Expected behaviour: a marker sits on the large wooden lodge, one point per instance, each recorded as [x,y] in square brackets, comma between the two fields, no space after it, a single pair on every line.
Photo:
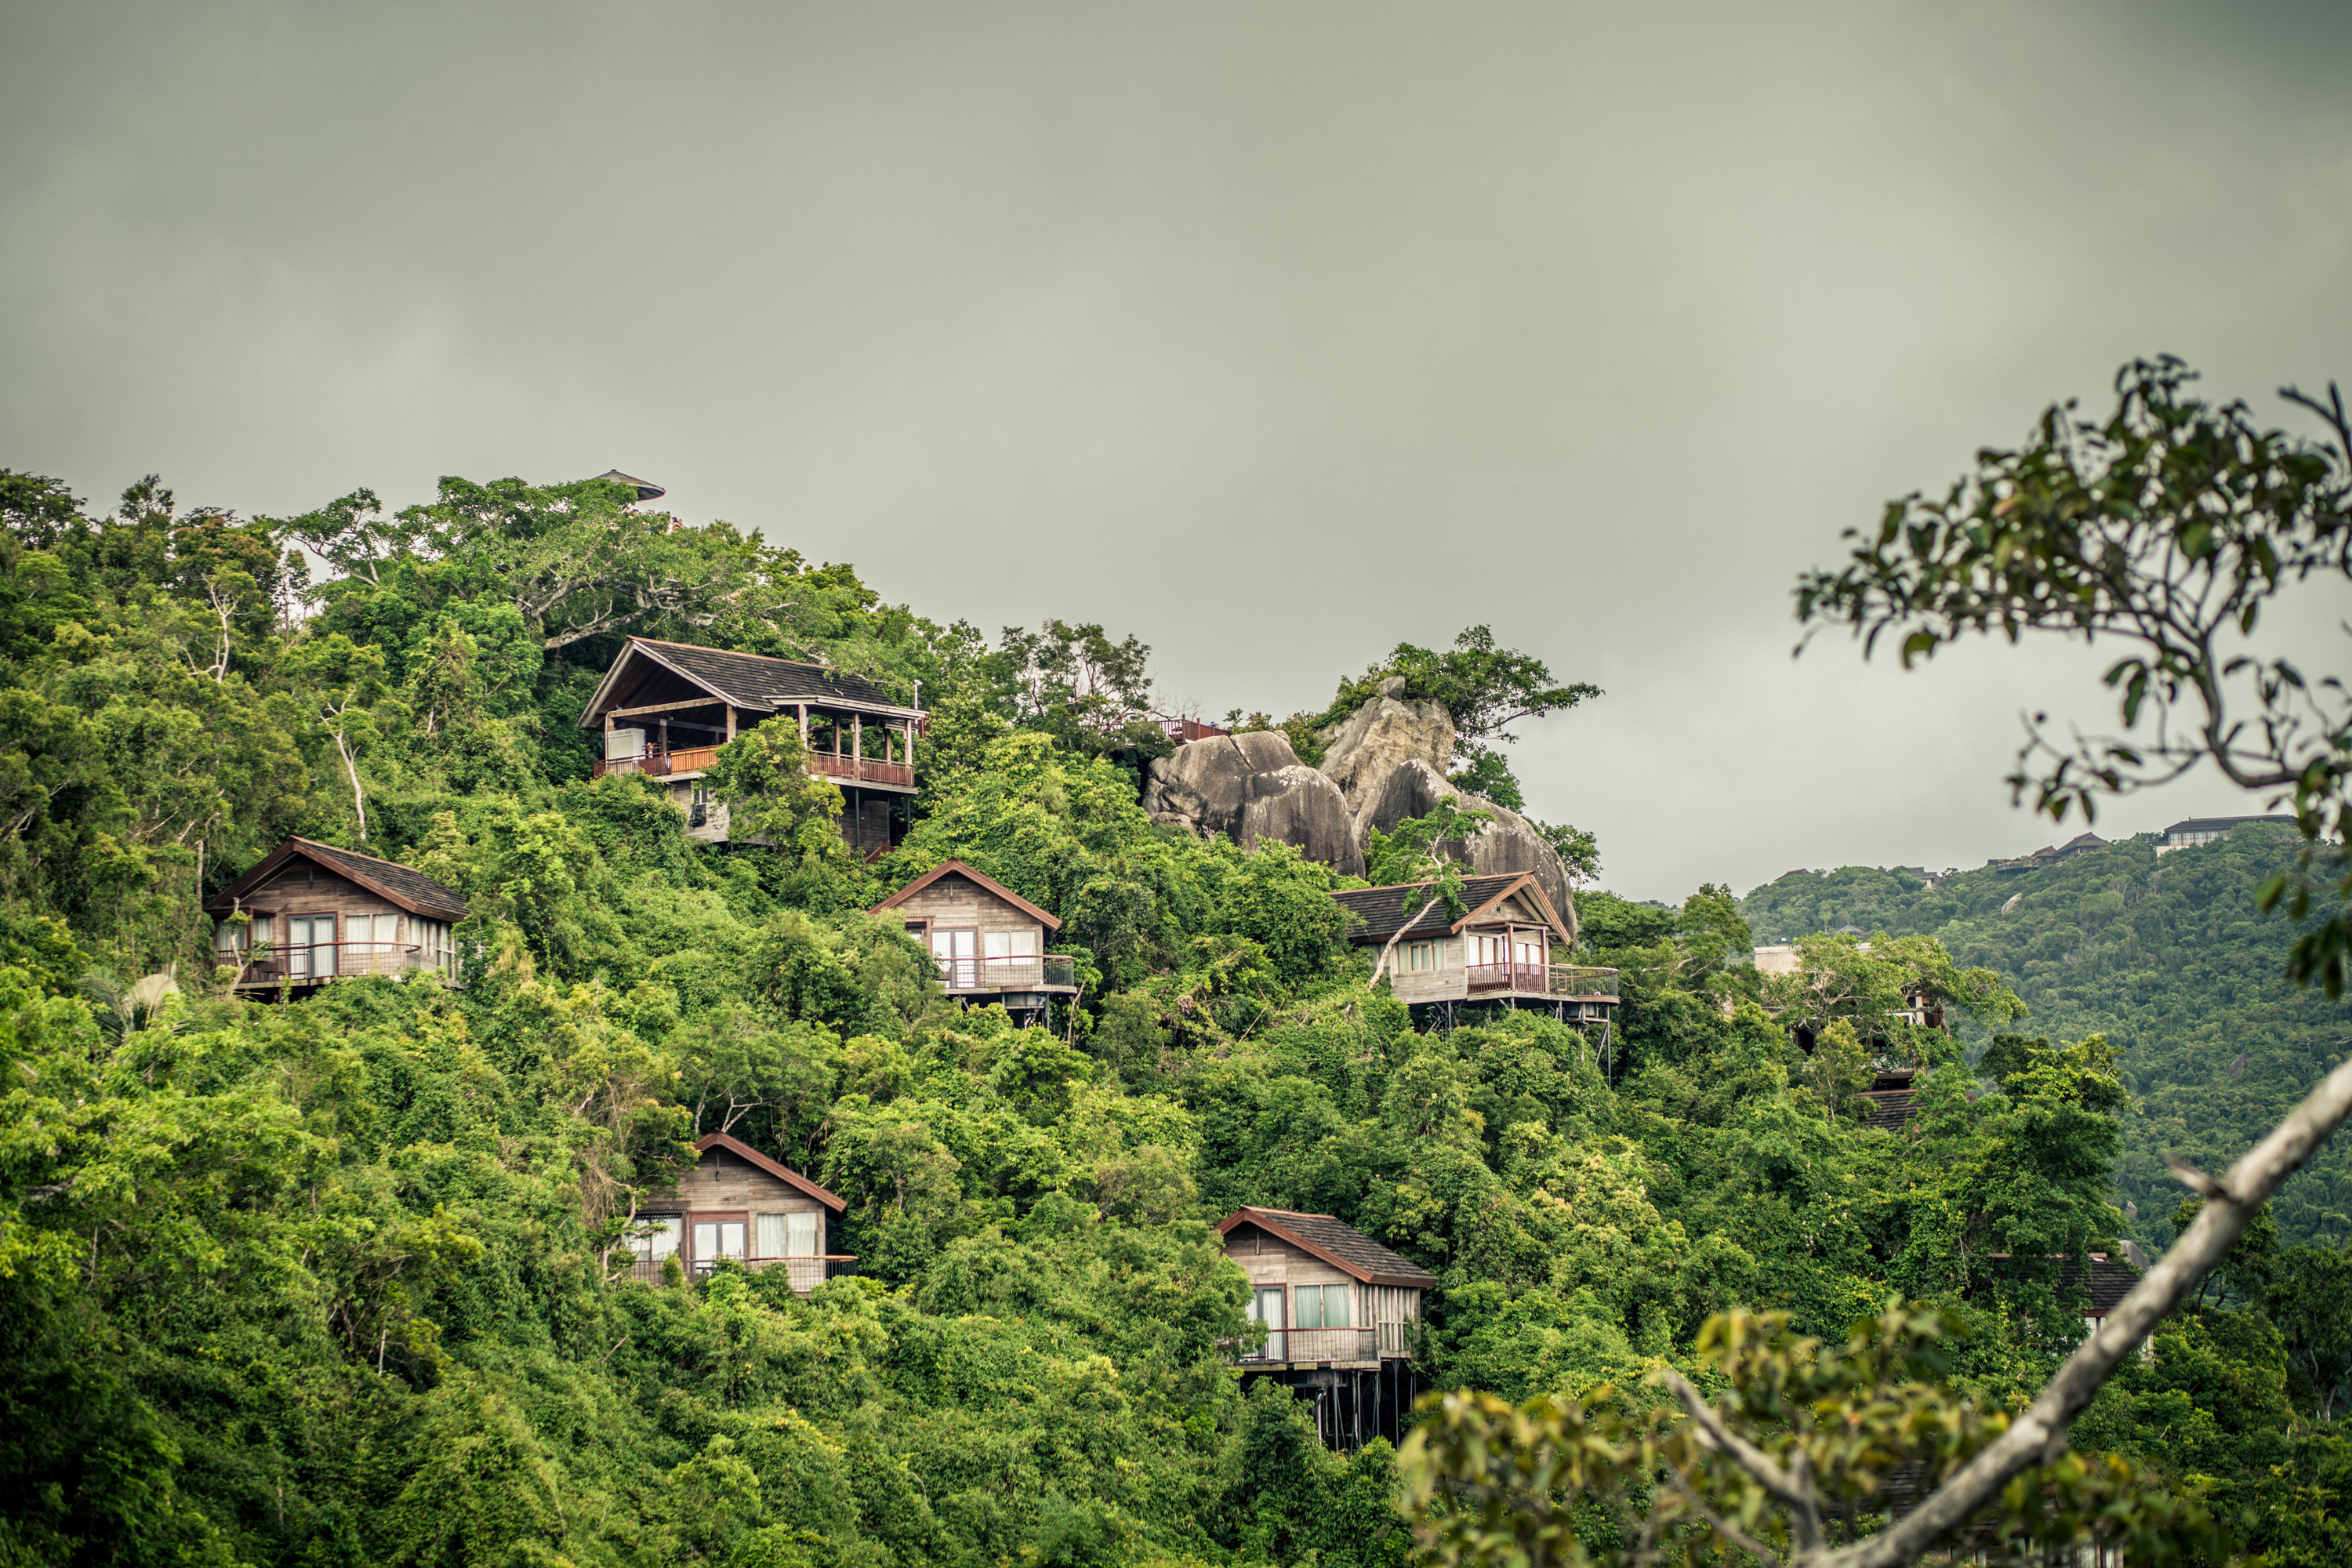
[666,707]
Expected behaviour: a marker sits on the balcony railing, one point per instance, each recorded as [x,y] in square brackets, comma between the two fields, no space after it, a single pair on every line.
[1295,1346]
[862,770]
[1541,980]
[660,764]
[312,962]
[805,1273]
[699,758]
[1028,973]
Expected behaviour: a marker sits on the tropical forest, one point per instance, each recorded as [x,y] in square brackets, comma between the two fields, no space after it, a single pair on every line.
[353,1274]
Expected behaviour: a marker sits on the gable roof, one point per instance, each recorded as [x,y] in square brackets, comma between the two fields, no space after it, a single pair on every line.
[2110,1280]
[405,886]
[748,680]
[1385,910]
[1337,1243]
[736,1146]
[957,868]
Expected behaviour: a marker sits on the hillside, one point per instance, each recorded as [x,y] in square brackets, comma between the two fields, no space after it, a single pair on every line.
[347,1277]
[2166,955]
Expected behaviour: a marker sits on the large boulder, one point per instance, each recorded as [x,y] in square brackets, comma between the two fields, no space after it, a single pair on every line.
[1253,786]
[1507,844]
[1389,730]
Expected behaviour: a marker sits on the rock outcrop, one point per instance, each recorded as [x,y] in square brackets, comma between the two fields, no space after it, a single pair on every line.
[1390,759]
[1253,786]
[1380,737]
[1508,843]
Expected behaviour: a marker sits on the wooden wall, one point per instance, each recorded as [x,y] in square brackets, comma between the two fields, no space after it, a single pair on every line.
[957,901]
[304,887]
[725,1181]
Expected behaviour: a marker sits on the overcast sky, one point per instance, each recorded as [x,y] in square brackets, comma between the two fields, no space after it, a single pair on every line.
[1270,332]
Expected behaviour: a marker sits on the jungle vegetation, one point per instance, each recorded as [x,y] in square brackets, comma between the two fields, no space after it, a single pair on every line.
[336,1281]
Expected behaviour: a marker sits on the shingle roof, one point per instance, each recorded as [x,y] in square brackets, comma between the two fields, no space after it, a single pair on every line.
[2111,1280]
[1334,1241]
[755,681]
[1890,1110]
[410,888]
[1385,909]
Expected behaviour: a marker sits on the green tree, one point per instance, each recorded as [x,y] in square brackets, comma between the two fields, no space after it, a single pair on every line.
[2172,527]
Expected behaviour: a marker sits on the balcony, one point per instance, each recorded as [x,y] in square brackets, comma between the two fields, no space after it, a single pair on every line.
[1548,979]
[863,770]
[1330,1347]
[804,1273]
[660,764]
[969,976]
[687,760]
[315,964]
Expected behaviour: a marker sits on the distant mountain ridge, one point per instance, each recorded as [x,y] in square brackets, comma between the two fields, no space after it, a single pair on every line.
[2168,956]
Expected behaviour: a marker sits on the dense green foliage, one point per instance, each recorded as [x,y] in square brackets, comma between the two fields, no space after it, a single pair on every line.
[2169,961]
[343,1279]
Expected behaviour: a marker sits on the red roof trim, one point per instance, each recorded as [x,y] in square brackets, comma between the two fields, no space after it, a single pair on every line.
[1269,1220]
[979,877]
[783,1172]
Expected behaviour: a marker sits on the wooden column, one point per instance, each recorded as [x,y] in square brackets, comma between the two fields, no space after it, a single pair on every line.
[730,720]
[910,745]
[804,726]
[857,742]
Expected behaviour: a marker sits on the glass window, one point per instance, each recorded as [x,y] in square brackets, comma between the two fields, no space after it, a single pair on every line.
[715,1239]
[1322,1306]
[802,1231]
[768,1235]
[660,1241]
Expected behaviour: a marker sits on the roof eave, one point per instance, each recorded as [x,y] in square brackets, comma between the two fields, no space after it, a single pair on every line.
[710,1141]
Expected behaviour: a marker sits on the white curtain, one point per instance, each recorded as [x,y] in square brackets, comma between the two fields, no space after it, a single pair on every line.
[772,1240]
[804,1232]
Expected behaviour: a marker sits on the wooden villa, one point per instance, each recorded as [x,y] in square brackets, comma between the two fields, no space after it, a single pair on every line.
[737,1204]
[1342,1316]
[666,707]
[1501,949]
[311,913]
[988,941]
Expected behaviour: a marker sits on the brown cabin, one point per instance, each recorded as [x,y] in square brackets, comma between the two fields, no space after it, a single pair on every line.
[1342,1316]
[736,1203]
[666,707]
[1500,948]
[988,941]
[311,913]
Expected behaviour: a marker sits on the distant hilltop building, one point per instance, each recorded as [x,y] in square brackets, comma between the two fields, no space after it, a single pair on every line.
[2049,855]
[2206,829]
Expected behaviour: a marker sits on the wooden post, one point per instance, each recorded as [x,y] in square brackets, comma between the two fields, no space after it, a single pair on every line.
[910,746]
[804,726]
[730,720]
[857,743]
[665,732]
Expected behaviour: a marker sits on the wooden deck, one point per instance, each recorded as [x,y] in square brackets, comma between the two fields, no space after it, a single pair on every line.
[1507,982]
[685,762]
[805,1273]
[315,964]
